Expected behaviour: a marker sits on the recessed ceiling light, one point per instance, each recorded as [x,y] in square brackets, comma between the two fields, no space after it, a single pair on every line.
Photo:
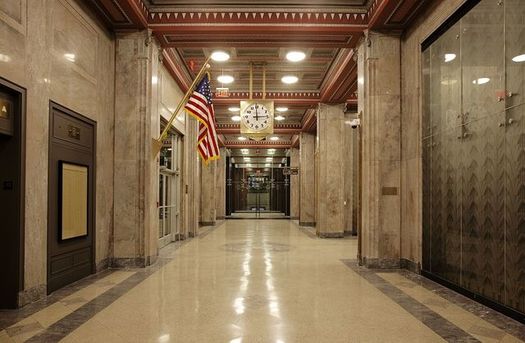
[220,56]
[70,57]
[244,151]
[269,159]
[225,79]
[274,138]
[481,81]
[247,158]
[242,138]
[267,164]
[280,118]
[449,82]
[281,109]
[519,58]
[450,57]
[234,109]
[4,58]
[295,56]
[289,79]
[236,118]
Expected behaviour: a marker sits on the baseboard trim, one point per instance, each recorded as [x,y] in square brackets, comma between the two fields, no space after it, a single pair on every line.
[31,295]
[312,224]
[331,234]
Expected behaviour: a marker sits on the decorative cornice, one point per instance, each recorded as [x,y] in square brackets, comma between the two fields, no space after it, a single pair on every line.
[253,16]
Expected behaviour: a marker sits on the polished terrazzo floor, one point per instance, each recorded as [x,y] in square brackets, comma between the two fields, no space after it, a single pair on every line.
[257,281]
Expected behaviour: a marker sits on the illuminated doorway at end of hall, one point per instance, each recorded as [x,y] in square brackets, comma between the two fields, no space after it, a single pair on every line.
[257,186]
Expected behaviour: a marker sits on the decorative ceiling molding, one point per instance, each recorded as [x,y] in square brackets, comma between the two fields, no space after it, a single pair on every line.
[251,17]
[341,79]
[176,68]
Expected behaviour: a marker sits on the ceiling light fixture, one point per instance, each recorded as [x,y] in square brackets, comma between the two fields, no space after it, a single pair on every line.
[450,57]
[519,58]
[280,118]
[281,109]
[70,57]
[225,79]
[289,79]
[244,151]
[242,138]
[274,138]
[236,118]
[4,58]
[295,56]
[234,109]
[481,81]
[220,56]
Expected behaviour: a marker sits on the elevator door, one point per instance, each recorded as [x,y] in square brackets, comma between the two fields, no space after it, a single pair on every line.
[71,197]
[11,192]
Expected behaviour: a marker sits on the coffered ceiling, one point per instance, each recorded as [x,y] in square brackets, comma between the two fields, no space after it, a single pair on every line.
[262,32]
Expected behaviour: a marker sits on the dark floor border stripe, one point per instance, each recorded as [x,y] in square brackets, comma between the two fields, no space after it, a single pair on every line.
[499,320]
[441,326]
[72,321]
[11,317]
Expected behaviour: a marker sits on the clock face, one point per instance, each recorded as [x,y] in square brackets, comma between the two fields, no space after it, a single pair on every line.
[256,117]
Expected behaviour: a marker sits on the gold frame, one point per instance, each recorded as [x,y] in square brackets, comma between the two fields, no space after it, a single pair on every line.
[255,134]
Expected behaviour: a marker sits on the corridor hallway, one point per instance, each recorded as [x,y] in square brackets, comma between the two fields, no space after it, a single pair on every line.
[257,281]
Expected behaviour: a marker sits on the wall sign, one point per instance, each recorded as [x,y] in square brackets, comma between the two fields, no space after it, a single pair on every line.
[6,115]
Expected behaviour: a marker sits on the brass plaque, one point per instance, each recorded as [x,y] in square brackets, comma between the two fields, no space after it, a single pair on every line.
[389,191]
[74,200]
[73,132]
[5,109]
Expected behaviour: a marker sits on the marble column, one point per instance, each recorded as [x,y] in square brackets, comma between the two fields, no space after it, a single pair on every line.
[307,180]
[136,171]
[208,193]
[379,87]
[294,184]
[220,184]
[330,177]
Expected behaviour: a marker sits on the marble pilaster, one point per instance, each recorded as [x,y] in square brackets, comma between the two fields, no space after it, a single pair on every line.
[330,177]
[307,179]
[294,184]
[351,170]
[136,174]
[379,75]
[220,186]
[208,193]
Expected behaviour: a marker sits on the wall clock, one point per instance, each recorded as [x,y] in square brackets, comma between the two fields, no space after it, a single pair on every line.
[257,118]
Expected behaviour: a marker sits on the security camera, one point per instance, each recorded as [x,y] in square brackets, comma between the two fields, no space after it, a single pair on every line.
[355,123]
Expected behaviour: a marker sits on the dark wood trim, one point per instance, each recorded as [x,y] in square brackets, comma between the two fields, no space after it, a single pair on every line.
[449,22]
[91,217]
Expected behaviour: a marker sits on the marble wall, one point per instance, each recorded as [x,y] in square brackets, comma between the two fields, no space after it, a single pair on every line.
[307,179]
[330,178]
[294,184]
[411,153]
[58,51]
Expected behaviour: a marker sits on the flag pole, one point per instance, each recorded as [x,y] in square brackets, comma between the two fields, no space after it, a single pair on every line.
[157,143]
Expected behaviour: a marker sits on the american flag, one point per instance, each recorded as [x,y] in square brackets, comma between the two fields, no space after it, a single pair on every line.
[200,105]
